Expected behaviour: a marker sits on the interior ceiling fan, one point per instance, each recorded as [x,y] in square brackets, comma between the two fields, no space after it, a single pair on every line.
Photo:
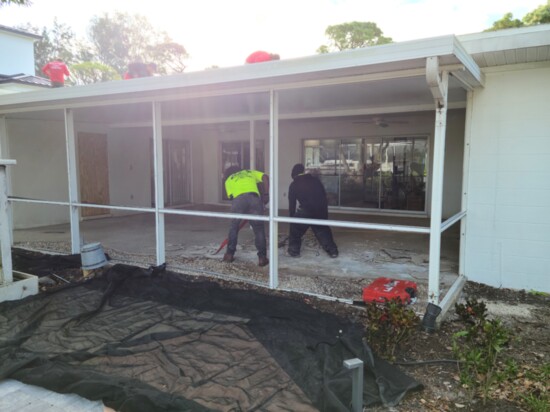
[381,121]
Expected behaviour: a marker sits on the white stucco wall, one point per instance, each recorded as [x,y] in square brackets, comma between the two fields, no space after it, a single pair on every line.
[508,224]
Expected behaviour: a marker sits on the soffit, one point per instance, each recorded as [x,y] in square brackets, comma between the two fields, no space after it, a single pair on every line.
[510,46]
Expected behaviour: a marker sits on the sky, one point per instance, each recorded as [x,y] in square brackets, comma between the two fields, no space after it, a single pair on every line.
[224,32]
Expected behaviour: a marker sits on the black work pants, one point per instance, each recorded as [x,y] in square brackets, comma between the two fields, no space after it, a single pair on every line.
[321,232]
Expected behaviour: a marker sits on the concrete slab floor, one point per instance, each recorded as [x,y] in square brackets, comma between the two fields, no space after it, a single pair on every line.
[364,254]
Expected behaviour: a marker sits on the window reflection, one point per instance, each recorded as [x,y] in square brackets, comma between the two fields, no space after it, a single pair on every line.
[384,173]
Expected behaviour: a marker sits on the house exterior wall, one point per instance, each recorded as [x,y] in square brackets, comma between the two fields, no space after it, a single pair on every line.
[507,240]
[40,172]
[20,50]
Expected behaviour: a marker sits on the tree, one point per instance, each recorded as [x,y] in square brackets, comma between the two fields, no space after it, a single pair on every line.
[122,38]
[58,42]
[92,72]
[540,15]
[507,22]
[352,36]
[169,57]
[17,2]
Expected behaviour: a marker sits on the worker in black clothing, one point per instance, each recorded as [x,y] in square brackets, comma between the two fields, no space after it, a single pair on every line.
[312,198]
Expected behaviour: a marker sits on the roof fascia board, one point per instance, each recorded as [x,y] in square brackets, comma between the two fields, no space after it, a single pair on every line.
[476,78]
[19,33]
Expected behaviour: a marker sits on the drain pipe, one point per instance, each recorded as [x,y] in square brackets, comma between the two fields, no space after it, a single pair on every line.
[356,366]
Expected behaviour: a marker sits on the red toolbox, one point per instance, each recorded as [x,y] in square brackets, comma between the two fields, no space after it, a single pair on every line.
[382,289]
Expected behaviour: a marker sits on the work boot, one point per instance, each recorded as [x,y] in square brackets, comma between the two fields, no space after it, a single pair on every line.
[228,257]
[263,261]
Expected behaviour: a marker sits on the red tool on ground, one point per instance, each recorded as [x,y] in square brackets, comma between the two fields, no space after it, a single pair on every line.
[241,225]
[382,289]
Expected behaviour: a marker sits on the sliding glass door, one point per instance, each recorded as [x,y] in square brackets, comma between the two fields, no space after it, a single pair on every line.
[372,173]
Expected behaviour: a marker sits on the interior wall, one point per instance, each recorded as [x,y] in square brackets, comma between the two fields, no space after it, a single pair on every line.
[38,146]
[508,224]
[129,152]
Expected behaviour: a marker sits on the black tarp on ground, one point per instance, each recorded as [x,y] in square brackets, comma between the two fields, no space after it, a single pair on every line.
[166,342]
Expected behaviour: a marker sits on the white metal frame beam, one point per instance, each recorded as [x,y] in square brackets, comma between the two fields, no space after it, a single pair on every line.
[158,166]
[438,84]
[6,268]
[72,174]
[273,188]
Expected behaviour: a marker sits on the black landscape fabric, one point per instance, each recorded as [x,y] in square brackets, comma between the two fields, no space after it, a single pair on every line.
[152,340]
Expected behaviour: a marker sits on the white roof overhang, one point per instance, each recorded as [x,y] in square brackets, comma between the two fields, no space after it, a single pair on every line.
[512,46]
[381,79]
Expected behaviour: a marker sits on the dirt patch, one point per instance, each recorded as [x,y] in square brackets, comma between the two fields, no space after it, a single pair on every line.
[525,315]
[428,357]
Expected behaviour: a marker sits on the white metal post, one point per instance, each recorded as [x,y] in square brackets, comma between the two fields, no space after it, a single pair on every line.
[356,367]
[159,183]
[252,146]
[439,87]
[273,188]
[4,154]
[465,182]
[6,269]
[72,176]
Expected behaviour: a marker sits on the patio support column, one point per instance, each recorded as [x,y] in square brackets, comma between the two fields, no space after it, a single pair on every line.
[252,146]
[438,86]
[3,138]
[158,167]
[6,272]
[273,189]
[4,154]
[72,175]
[465,182]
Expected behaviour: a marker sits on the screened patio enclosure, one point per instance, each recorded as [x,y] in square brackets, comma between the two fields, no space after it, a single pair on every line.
[159,146]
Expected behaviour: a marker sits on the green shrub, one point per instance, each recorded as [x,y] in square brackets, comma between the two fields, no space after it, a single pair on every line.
[389,324]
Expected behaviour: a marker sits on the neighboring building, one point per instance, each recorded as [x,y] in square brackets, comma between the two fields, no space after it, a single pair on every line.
[451,128]
[17,63]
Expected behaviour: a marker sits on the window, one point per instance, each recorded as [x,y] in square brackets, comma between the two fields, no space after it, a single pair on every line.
[379,173]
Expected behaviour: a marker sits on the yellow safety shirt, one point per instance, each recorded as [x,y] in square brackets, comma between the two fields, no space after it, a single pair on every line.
[245,181]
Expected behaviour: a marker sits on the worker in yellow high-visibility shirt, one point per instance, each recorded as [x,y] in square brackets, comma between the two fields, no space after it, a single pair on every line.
[241,187]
